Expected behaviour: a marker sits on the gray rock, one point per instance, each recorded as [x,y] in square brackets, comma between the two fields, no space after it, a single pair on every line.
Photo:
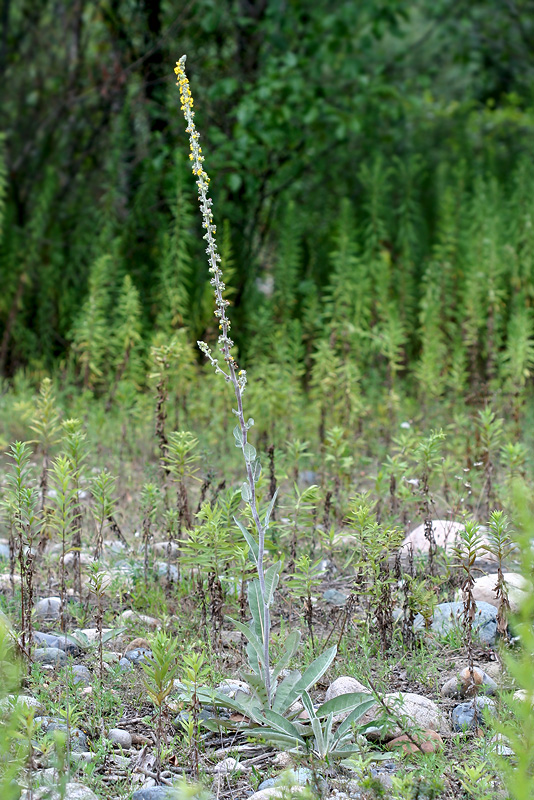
[300,776]
[447,616]
[73,791]
[48,608]
[23,702]
[125,665]
[4,551]
[50,655]
[126,568]
[55,640]
[161,571]
[154,793]
[463,716]
[139,656]
[78,739]
[121,738]
[81,675]
[335,598]
[232,687]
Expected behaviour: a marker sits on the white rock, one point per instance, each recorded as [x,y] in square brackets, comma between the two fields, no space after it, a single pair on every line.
[22,702]
[283,760]
[344,685]
[90,633]
[517,585]
[5,582]
[228,765]
[85,559]
[161,549]
[409,708]
[120,737]
[231,687]
[73,791]
[522,696]
[445,534]
[48,608]
[278,792]
[144,620]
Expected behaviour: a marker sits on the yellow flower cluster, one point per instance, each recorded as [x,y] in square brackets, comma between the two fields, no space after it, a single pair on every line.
[187,107]
[197,159]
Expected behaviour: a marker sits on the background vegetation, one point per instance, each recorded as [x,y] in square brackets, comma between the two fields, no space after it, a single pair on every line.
[372,161]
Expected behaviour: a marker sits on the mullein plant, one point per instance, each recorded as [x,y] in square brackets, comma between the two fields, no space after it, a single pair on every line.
[237,377]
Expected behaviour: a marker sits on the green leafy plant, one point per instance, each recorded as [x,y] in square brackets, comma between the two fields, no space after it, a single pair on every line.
[159,673]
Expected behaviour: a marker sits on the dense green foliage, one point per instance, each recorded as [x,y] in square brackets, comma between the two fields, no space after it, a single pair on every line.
[371,160]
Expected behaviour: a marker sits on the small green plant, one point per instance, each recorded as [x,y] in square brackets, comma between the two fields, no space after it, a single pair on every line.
[160,671]
[62,511]
[301,584]
[75,448]
[98,583]
[103,508]
[20,505]
[182,464]
[501,547]
[45,423]
[467,551]
[194,674]
[150,504]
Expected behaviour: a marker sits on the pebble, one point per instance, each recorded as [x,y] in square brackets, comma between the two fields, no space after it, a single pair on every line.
[49,655]
[335,597]
[463,716]
[48,608]
[4,551]
[139,656]
[462,685]
[448,616]
[121,738]
[125,665]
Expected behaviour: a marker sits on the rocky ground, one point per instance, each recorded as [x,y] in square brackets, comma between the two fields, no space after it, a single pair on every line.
[438,707]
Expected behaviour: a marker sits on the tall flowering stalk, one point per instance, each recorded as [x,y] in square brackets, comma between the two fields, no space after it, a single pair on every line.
[231,374]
